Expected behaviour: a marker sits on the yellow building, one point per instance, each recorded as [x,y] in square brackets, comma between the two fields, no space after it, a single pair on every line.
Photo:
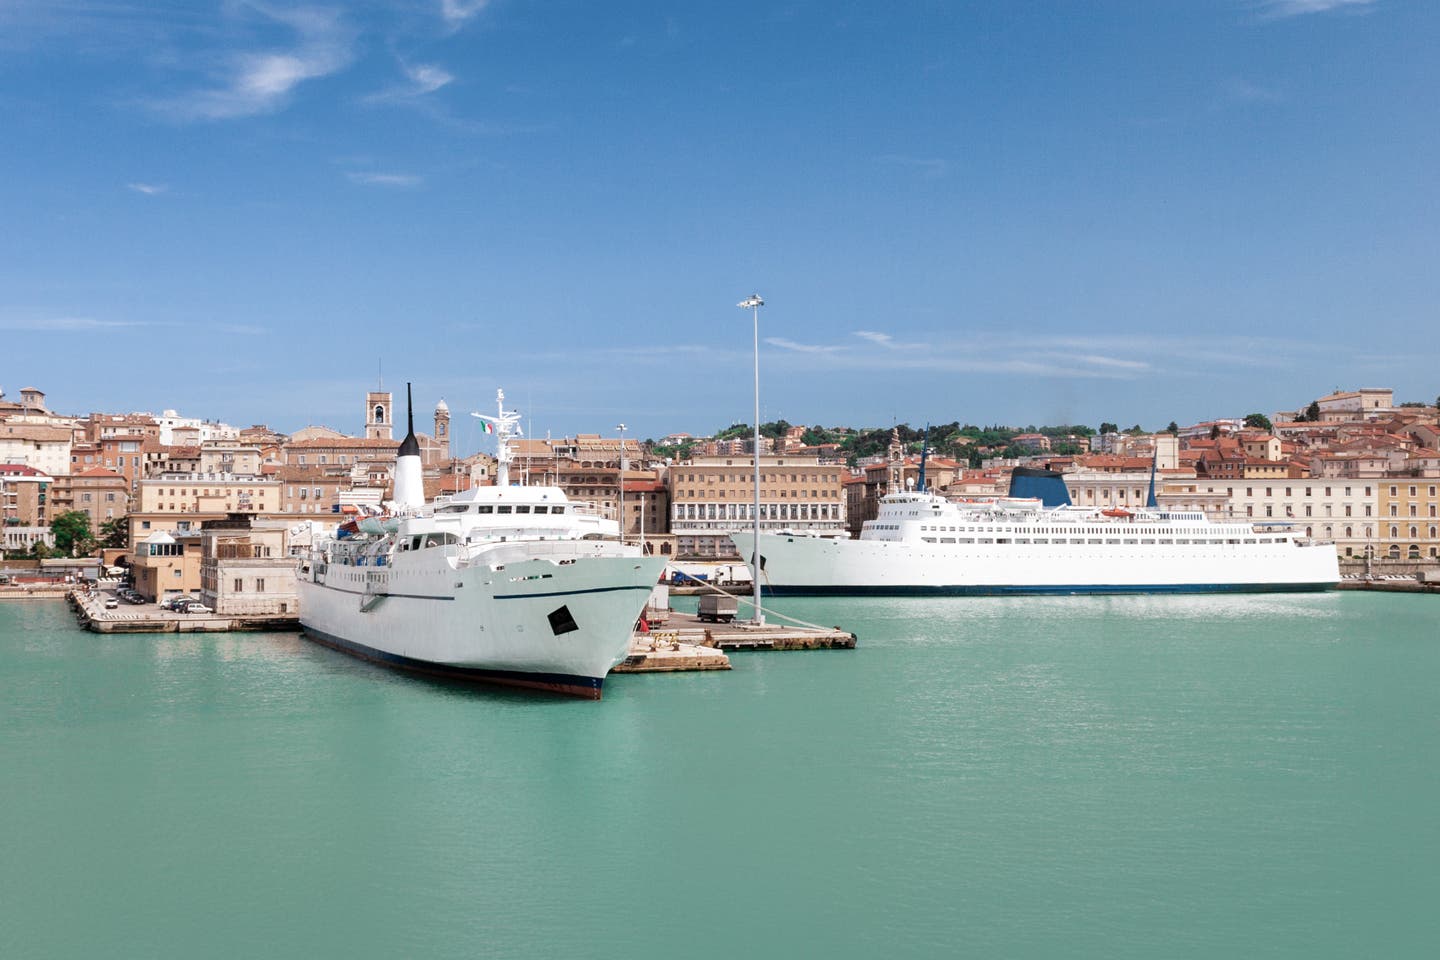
[1409,518]
[164,565]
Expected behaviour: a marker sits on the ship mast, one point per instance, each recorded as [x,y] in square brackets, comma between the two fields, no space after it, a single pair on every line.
[504,424]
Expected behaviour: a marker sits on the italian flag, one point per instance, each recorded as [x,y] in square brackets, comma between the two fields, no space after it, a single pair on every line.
[489,427]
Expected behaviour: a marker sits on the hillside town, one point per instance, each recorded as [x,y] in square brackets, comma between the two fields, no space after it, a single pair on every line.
[189,506]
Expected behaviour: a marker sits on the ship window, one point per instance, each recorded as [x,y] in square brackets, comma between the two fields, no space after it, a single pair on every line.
[415,543]
[484,508]
[503,508]
[542,509]
[557,509]
[522,508]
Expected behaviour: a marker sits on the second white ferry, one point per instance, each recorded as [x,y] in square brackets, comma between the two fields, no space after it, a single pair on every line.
[921,543]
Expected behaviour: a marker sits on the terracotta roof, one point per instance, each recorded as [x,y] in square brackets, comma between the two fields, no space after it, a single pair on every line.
[35,432]
[20,470]
[97,473]
[344,443]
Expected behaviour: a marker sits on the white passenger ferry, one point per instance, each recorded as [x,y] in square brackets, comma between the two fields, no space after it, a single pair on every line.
[922,543]
[507,584]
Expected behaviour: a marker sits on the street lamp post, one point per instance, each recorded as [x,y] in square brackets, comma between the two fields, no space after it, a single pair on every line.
[754,303]
[621,428]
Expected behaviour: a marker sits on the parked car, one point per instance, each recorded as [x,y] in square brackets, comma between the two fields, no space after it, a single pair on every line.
[111,603]
[196,608]
[177,604]
[134,598]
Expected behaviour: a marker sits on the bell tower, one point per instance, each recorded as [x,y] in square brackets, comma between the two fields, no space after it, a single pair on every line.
[442,430]
[378,415]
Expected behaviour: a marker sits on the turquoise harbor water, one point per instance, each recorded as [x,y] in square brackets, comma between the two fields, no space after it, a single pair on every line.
[1091,777]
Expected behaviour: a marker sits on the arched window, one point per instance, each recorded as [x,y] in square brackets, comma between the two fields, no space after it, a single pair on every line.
[1394,551]
[379,413]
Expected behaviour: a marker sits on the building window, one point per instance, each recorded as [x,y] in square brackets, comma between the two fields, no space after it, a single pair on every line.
[239,585]
[260,586]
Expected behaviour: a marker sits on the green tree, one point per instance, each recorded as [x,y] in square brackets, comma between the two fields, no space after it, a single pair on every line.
[1258,421]
[72,533]
[1173,429]
[115,533]
[39,551]
[1108,427]
[1312,412]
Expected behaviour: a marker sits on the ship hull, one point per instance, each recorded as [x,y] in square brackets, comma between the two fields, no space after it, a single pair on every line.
[535,623]
[806,566]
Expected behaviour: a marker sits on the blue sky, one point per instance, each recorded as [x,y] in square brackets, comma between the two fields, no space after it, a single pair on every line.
[998,212]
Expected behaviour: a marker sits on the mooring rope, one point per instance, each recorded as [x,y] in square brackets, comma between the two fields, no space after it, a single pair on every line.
[750,600]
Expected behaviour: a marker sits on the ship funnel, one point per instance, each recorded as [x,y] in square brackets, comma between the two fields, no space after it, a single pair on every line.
[409,480]
[1045,484]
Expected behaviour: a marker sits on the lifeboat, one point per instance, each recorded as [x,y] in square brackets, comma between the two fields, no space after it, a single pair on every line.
[1117,512]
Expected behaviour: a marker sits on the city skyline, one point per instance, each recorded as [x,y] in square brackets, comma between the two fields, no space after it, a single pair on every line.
[1039,215]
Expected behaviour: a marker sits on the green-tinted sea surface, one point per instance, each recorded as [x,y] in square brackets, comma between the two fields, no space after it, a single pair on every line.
[1138,777]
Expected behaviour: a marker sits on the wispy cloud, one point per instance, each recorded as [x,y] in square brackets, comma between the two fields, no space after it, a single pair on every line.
[457,12]
[149,189]
[784,344]
[420,79]
[1297,8]
[1239,90]
[261,81]
[930,167]
[68,324]
[402,180]
[883,339]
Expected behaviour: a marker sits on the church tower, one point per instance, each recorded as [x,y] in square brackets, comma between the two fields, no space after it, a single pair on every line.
[378,417]
[442,431]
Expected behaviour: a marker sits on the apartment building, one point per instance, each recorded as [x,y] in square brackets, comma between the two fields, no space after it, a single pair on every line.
[1409,526]
[209,493]
[710,497]
[100,493]
[245,567]
[44,447]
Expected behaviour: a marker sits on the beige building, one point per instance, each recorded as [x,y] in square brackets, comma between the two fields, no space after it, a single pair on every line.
[165,565]
[712,496]
[102,494]
[245,569]
[208,493]
[46,448]
[1367,403]
[1345,511]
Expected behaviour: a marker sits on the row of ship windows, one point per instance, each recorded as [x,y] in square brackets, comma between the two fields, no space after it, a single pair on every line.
[745,511]
[1163,541]
[502,508]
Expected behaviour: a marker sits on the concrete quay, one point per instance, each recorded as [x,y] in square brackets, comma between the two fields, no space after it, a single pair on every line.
[743,635]
[663,651]
[150,618]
